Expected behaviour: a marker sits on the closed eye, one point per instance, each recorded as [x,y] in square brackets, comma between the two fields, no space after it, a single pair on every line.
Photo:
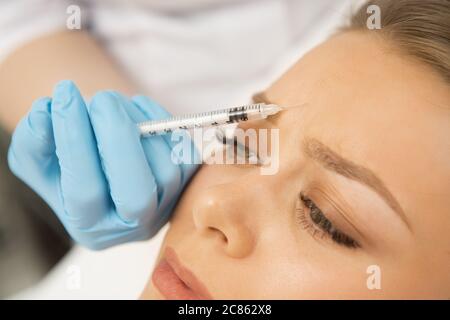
[314,220]
[236,148]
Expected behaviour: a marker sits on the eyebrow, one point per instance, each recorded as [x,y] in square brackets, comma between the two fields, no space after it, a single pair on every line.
[329,159]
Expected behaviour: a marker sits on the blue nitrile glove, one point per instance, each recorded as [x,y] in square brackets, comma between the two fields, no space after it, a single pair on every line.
[105,183]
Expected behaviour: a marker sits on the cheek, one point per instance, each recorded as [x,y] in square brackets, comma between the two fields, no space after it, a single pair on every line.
[288,272]
[293,274]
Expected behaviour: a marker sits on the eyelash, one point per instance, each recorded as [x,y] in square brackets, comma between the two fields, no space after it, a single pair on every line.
[232,142]
[318,224]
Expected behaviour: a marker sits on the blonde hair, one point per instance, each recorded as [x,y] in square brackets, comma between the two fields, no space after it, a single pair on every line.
[419,28]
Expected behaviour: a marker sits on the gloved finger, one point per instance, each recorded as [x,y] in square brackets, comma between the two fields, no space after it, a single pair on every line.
[83,185]
[167,174]
[191,157]
[31,154]
[133,186]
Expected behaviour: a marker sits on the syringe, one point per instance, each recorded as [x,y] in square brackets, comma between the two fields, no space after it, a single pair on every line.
[208,119]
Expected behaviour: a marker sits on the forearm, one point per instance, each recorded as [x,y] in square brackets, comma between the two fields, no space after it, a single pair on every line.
[32,71]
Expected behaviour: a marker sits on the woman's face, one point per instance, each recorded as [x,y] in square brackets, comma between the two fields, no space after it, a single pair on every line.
[359,207]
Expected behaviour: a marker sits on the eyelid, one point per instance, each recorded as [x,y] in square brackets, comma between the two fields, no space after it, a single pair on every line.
[246,150]
[232,141]
[306,221]
[336,208]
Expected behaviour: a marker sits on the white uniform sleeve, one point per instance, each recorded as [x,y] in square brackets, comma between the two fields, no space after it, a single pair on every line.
[24,20]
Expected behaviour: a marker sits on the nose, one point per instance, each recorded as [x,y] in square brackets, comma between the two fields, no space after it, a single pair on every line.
[222,213]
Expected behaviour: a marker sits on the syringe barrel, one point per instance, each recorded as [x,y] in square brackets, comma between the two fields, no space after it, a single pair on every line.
[204,119]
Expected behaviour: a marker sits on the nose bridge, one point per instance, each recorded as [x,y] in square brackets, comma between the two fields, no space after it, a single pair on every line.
[228,210]
[232,200]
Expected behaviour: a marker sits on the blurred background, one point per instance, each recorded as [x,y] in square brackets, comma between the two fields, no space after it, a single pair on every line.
[190,56]
[31,238]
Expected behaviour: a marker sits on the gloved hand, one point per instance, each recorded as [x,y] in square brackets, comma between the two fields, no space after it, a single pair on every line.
[105,183]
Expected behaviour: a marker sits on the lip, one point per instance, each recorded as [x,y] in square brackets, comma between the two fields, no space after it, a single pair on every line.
[176,282]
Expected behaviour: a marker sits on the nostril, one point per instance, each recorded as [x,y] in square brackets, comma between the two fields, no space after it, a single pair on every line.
[219,233]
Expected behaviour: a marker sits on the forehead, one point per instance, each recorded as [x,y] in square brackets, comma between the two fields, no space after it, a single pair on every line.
[374,107]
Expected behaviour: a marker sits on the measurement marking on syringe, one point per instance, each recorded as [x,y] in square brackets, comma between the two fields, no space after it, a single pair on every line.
[205,119]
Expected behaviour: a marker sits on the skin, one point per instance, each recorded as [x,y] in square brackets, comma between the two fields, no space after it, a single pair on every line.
[378,109]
